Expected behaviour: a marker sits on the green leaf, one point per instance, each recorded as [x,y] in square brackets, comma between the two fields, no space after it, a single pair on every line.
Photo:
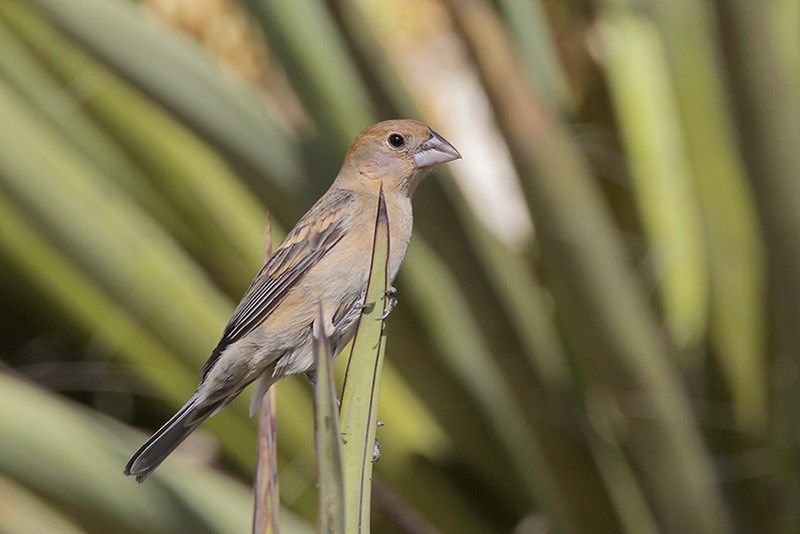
[619,336]
[70,295]
[735,249]
[328,440]
[129,253]
[527,20]
[23,511]
[22,69]
[224,216]
[74,458]
[443,308]
[181,75]
[640,84]
[359,412]
[320,67]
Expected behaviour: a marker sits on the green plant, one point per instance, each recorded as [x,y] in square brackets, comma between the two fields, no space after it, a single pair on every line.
[632,366]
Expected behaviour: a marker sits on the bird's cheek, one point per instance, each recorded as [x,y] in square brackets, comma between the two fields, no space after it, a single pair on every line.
[386,168]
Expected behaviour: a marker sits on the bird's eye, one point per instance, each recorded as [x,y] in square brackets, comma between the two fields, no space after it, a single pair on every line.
[396,140]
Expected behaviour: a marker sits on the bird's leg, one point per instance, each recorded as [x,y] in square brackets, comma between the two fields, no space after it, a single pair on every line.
[391,302]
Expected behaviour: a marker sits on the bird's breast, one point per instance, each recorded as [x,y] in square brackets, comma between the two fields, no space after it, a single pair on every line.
[340,278]
[401,218]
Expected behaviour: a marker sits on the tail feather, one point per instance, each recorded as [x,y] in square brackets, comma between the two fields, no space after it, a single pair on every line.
[156,449]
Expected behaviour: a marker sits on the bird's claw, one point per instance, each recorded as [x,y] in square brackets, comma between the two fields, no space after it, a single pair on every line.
[391,302]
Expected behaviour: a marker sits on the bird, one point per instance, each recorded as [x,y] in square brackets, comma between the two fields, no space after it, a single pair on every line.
[316,281]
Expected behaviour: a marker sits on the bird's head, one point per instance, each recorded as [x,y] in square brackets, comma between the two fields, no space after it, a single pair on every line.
[396,153]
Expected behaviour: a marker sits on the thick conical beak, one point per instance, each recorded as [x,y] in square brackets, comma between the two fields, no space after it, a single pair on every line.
[433,151]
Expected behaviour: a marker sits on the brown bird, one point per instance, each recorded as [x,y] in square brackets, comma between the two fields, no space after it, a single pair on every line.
[323,264]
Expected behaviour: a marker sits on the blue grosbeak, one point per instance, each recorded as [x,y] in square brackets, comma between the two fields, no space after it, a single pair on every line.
[323,264]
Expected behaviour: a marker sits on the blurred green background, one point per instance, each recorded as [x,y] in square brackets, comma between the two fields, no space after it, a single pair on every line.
[599,320]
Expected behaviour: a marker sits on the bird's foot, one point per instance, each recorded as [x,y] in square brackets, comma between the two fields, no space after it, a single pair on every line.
[391,302]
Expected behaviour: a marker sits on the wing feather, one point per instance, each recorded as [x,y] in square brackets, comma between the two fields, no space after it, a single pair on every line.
[314,236]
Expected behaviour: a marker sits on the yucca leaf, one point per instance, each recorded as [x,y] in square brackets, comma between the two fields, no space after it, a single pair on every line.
[527,20]
[321,70]
[23,511]
[471,362]
[605,302]
[20,67]
[70,294]
[361,389]
[265,486]
[74,458]
[224,216]
[769,132]
[529,309]
[181,75]
[328,440]
[734,246]
[670,209]
[627,495]
[137,257]
[382,82]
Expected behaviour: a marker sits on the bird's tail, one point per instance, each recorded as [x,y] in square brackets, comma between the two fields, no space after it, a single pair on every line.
[156,449]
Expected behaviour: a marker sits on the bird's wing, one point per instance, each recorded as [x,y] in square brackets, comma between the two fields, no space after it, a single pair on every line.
[313,237]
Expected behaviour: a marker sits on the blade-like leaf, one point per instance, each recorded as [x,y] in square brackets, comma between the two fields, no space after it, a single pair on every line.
[760,43]
[224,216]
[74,458]
[640,87]
[181,75]
[322,71]
[266,492]
[528,22]
[20,67]
[328,440]
[71,295]
[459,343]
[621,342]
[137,260]
[735,249]
[24,512]
[359,412]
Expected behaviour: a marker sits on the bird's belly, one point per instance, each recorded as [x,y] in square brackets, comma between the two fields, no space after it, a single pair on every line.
[339,278]
[335,286]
